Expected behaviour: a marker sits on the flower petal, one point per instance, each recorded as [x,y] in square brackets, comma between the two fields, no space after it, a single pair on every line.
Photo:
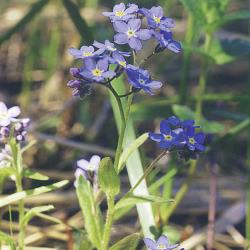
[120,26]
[164,127]
[121,38]
[3,108]
[163,240]
[82,164]
[150,244]
[156,137]
[135,43]
[119,7]
[134,24]
[157,11]
[14,111]
[90,63]
[144,34]
[154,85]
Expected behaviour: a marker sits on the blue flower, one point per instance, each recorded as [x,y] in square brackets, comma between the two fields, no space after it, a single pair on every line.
[96,70]
[131,33]
[156,19]
[194,140]
[140,79]
[83,52]
[120,13]
[88,169]
[161,244]
[165,41]
[180,136]
[167,138]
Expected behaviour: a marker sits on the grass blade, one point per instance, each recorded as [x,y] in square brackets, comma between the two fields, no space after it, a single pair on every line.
[80,24]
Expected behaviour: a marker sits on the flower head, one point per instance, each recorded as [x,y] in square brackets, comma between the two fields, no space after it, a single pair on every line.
[161,244]
[140,79]
[121,13]
[8,115]
[88,169]
[181,136]
[83,52]
[165,41]
[156,19]
[131,33]
[96,70]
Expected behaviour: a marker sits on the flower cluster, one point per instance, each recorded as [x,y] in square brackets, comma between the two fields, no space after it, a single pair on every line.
[161,244]
[99,58]
[5,157]
[181,136]
[88,169]
[10,125]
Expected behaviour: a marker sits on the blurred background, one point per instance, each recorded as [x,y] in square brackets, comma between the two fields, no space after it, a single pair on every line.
[34,70]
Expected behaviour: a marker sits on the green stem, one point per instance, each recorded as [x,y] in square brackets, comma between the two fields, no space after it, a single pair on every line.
[146,173]
[123,129]
[17,164]
[186,60]
[108,225]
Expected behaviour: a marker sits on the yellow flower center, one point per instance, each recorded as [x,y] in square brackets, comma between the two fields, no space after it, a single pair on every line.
[130,33]
[97,72]
[161,247]
[122,63]
[157,19]
[86,54]
[111,48]
[168,137]
[119,13]
[191,140]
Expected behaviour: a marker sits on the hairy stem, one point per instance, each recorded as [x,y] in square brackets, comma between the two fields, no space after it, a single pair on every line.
[108,225]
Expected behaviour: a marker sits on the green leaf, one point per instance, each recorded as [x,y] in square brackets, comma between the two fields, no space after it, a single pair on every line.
[128,243]
[183,112]
[34,175]
[108,178]
[135,199]
[91,211]
[28,146]
[34,10]
[130,149]
[8,239]
[35,211]
[134,164]
[36,191]
[212,127]
[80,24]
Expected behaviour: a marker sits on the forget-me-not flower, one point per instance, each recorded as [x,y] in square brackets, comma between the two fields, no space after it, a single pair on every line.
[141,79]
[121,13]
[161,244]
[83,52]
[131,33]
[8,115]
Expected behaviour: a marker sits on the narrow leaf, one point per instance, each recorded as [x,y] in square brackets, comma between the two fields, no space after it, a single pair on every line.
[80,24]
[34,211]
[36,191]
[135,199]
[130,149]
[128,243]
[34,175]
[8,239]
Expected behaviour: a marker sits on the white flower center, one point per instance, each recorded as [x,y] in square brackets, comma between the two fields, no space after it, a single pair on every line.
[130,33]
[161,247]
[157,19]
